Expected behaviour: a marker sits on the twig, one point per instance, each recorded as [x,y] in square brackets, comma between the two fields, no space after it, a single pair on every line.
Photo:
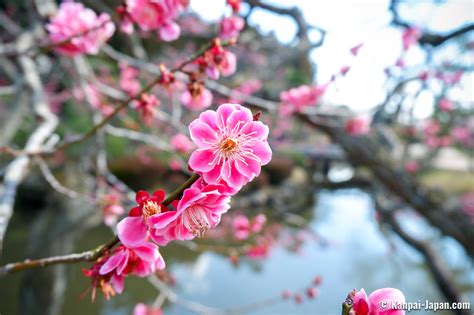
[56,185]
[79,139]
[90,255]
[174,298]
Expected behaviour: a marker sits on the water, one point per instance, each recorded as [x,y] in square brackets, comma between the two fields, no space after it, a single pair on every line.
[360,255]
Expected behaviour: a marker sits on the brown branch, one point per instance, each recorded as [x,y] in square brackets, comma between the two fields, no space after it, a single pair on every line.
[301,23]
[434,40]
[435,263]
[427,38]
[90,255]
[18,168]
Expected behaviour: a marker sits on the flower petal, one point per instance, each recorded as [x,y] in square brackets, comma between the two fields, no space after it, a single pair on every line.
[117,283]
[161,220]
[239,119]
[202,134]
[201,160]
[263,151]
[112,263]
[250,169]
[147,252]
[132,231]
[141,196]
[387,295]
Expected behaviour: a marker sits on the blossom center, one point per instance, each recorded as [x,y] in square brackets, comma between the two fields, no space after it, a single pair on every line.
[228,145]
[196,221]
[150,208]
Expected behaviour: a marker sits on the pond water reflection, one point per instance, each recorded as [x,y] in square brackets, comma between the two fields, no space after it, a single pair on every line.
[359,254]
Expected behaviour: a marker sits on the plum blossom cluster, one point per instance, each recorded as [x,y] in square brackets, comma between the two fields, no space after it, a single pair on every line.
[216,61]
[152,15]
[231,149]
[76,30]
[299,98]
[232,26]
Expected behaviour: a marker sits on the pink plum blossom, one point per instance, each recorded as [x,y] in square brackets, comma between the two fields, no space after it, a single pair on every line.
[424,75]
[134,229]
[232,147]
[223,63]
[146,105]
[110,284]
[258,222]
[259,251]
[154,15]
[181,143]
[143,309]
[139,261]
[357,126]
[241,227]
[199,210]
[78,30]
[355,50]
[400,63]
[462,135]
[299,98]
[411,167]
[410,37]
[374,304]
[344,69]
[432,127]
[234,4]
[128,80]
[198,100]
[231,27]
[175,164]
[112,208]
[445,105]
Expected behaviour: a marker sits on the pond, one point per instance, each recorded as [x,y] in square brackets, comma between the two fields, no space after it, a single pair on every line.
[356,253]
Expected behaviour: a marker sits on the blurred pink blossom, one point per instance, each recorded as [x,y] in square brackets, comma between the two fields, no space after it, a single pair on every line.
[231,27]
[445,105]
[112,208]
[78,30]
[197,101]
[299,98]
[146,105]
[411,166]
[410,37]
[357,126]
[355,50]
[181,143]
[129,82]
[152,15]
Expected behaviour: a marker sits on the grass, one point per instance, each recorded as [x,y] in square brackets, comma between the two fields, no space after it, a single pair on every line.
[453,182]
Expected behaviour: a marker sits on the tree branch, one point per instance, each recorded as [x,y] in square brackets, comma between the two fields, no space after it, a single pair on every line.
[17,169]
[90,255]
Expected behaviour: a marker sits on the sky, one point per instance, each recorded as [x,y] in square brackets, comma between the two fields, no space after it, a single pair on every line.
[349,23]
